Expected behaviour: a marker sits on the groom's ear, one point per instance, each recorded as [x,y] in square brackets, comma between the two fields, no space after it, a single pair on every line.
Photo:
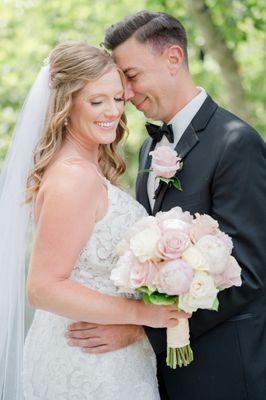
[174,56]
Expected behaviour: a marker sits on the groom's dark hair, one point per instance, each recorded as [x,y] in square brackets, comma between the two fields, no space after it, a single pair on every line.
[156,28]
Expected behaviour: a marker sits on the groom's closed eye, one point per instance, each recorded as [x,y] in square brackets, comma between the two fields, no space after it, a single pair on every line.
[131,77]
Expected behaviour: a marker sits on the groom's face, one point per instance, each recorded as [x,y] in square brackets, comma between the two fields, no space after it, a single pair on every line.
[149,80]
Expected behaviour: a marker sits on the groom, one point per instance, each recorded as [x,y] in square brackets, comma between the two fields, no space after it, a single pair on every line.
[223,175]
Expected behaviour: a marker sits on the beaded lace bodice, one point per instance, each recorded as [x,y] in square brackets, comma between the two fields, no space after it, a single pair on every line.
[98,256]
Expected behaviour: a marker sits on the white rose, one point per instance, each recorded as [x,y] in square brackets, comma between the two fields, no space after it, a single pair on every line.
[215,251]
[195,259]
[143,223]
[120,275]
[202,293]
[122,247]
[144,244]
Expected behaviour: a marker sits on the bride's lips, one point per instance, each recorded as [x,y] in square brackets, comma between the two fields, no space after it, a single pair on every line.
[107,125]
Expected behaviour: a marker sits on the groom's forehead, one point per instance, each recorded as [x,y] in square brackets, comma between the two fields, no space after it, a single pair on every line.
[132,55]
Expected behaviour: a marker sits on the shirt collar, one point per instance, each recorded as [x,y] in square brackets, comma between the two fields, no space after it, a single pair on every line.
[183,117]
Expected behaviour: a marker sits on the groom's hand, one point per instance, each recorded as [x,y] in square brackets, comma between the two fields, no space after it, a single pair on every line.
[95,339]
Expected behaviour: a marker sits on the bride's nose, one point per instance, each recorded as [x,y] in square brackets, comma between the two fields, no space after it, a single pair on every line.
[113,109]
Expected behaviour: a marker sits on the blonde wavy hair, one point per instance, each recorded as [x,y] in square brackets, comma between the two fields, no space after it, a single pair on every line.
[72,65]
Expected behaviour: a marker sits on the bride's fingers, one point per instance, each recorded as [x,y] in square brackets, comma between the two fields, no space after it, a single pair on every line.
[180,314]
[183,314]
[172,322]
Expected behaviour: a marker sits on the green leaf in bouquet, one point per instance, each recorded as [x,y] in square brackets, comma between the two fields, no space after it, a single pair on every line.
[162,299]
[177,302]
[144,289]
[146,299]
[215,305]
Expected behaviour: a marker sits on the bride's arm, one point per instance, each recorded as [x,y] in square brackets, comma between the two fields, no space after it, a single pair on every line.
[68,213]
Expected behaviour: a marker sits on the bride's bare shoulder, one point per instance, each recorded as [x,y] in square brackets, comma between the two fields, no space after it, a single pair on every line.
[73,185]
[72,174]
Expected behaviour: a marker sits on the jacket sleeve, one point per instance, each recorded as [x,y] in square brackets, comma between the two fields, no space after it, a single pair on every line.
[157,338]
[238,203]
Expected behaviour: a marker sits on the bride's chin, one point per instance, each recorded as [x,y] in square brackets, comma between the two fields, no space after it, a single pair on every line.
[108,139]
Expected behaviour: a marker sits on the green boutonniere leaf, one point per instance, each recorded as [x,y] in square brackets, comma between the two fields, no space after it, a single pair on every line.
[215,305]
[177,184]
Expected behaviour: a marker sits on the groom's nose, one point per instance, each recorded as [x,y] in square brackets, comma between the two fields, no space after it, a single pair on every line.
[129,92]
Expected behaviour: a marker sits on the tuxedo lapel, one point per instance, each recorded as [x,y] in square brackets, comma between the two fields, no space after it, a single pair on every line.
[142,189]
[188,140]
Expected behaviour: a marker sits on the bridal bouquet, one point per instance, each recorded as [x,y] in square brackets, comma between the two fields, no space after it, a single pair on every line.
[173,258]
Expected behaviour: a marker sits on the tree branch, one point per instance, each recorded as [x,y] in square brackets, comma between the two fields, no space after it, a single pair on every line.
[223,55]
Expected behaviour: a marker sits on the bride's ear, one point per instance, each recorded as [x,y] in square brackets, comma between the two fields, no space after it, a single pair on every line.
[174,56]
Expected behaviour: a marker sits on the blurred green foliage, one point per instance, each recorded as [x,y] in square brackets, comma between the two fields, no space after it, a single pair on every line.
[29,29]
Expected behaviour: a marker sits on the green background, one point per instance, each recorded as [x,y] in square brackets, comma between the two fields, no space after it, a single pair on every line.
[29,29]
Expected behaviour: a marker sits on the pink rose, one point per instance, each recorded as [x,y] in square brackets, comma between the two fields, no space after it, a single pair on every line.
[203,225]
[175,277]
[174,213]
[174,239]
[230,277]
[143,274]
[165,162]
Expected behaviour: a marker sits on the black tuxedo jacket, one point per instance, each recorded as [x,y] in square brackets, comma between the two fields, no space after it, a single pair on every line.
[223,175]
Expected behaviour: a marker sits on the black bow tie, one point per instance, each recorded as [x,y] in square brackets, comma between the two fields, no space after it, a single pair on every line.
[157,132]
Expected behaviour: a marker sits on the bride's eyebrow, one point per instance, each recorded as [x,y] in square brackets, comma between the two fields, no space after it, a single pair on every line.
[103,94]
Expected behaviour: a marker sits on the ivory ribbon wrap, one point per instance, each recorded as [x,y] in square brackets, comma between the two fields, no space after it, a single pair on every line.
[178,336]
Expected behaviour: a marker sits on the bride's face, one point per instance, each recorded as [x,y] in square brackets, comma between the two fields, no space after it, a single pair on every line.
[97,109]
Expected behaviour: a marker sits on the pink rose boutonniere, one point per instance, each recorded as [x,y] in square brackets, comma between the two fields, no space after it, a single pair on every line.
[165,164]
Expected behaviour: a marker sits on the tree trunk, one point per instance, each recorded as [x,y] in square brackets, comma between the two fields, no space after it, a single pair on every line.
[223,55]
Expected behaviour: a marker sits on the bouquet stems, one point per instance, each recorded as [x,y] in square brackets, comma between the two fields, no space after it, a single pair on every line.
[179,352]
[180,357]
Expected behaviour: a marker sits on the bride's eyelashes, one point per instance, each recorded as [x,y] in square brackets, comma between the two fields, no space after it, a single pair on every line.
[117,99]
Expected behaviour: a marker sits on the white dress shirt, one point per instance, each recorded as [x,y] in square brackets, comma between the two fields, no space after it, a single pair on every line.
[179,124]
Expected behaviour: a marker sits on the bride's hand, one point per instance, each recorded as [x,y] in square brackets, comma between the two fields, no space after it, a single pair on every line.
[161,316]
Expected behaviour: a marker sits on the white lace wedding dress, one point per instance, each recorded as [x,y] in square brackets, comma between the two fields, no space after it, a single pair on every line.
[55,371]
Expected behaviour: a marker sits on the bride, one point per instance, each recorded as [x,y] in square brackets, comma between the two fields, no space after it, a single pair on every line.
[80,215]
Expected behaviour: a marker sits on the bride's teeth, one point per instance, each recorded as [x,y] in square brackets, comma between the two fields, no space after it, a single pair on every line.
[105,124]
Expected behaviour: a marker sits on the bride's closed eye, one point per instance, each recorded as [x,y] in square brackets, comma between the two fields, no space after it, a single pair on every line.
[117,99]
